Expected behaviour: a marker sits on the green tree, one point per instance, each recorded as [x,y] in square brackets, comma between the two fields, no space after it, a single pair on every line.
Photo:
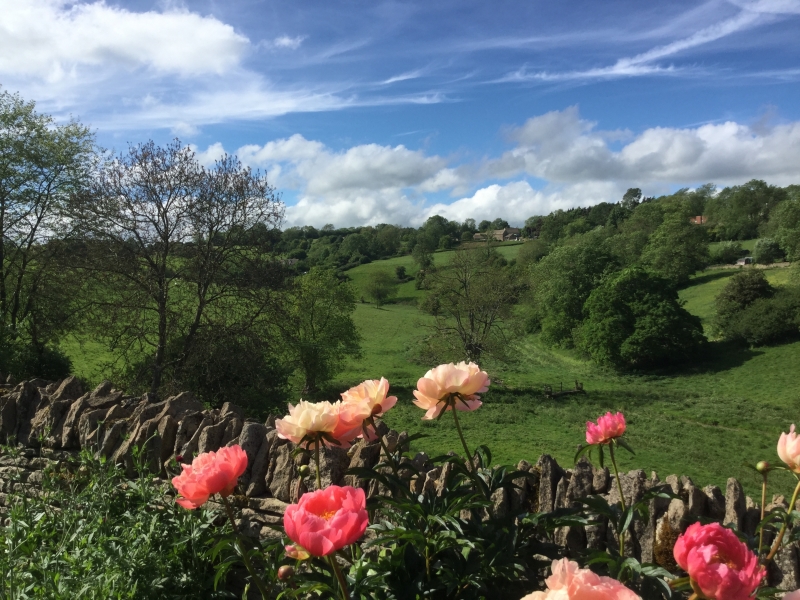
[380,286]
[164,239]
[725,253]
[767,251]
[676,250]
[739,212]
[634,319]
[786,226]
[314,320]
[472,300]
[562,282]
[768,320]
[42,164]
[740,291]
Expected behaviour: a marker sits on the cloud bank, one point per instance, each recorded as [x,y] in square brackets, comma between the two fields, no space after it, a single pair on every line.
[570,160]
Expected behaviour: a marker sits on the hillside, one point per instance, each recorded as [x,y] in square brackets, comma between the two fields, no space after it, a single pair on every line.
[705,420]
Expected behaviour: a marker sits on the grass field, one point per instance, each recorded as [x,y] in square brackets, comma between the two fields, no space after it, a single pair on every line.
[704,421]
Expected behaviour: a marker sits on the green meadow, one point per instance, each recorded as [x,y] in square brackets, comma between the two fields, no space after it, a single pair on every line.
[706,420]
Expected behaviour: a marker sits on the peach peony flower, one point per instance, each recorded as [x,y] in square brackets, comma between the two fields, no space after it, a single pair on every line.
[367,399]
[792,595]
[327,520]
[570,582]
[608,427]
[210,473]
[789,449]
[351,421]
[435,392]
[308,419]
[720,565]
[373,393]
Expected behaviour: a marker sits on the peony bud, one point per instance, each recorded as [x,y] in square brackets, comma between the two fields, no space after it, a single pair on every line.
[303,471]
[285,572]
[763,467]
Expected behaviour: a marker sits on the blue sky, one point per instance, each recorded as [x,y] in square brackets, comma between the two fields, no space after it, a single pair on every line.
[364,112]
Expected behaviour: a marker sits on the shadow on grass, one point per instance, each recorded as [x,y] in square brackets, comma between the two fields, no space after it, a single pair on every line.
[717,358]
[710,276]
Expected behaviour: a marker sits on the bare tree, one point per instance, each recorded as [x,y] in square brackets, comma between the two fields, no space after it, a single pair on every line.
[167,240]
[471,300]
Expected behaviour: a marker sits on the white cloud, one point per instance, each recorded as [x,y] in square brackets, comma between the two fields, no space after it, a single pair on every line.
[53,39]
[560,147]
[752,14]
[517,201]
[285,41]
[579,165]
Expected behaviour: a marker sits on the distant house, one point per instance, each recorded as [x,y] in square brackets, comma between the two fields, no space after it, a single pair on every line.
[699,220]
[506,234]
[479,237]
[747,260]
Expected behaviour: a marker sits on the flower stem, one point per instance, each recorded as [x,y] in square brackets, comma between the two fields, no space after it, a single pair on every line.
[245,558]
[463,441]
[339,576]
[316,458]
[385,449]
[621,496]
[777,545]
[763,509]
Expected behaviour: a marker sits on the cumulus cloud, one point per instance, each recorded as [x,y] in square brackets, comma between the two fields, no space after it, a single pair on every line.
[51,39]
[576,163]
[561,147]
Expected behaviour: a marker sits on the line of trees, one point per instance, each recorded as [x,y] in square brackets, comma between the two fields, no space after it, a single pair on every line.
[171,265]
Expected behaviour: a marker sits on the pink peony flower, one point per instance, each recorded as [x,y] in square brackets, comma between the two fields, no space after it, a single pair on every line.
[792,595]
[308,419]
[608,427]
[327,520]
[363,401]
[351,421]
[789,449]
[721,566]
[570,582]
[210,473]
[434,391]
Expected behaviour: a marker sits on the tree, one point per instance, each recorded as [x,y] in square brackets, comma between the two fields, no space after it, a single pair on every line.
[562,282]
[786,219]
[41,165]
[634,319]
[767,251]
[725,253]
[165,239]
[400,271]
[314,319]
[472,300]
[380,286]
[484,226]
[498,223]
[631,199]
[676,250]
[741,290]
[738,212]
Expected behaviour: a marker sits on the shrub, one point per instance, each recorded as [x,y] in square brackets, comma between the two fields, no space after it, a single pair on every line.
[22,359]
[768,320]
[739,292]
[93,535]
[767,251]
[726,253]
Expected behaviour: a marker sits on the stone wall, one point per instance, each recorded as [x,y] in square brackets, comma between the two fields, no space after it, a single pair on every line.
[54,420]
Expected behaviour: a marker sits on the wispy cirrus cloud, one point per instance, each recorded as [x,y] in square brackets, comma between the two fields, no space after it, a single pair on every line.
[752,14]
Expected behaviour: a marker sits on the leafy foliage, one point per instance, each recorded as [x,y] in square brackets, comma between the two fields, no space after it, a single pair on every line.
[94,534]
[634,319]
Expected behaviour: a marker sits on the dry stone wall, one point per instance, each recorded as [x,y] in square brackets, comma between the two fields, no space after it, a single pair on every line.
[52,421]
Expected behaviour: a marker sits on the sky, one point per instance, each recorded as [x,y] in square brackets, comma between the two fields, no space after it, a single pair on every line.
[367,112]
